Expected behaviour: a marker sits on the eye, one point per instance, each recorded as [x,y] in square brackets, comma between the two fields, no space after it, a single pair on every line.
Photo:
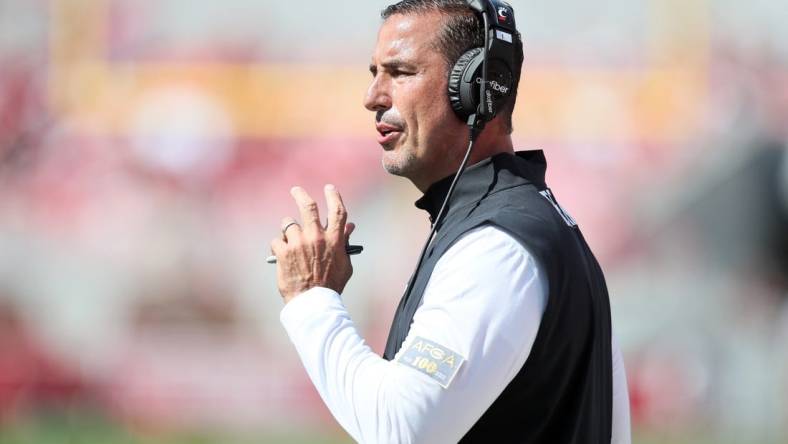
[401,73]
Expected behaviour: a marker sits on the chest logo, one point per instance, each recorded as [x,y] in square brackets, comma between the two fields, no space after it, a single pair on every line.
[434,360]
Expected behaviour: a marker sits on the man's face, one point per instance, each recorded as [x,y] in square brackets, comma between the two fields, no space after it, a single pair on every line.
[416,126]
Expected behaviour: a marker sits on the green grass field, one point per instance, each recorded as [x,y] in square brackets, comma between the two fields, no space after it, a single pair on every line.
[94,429]
[82,428]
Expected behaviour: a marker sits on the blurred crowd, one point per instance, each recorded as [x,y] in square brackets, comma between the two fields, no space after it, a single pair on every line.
[146,151]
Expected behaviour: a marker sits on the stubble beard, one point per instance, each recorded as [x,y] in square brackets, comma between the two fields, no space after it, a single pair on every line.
[400,163]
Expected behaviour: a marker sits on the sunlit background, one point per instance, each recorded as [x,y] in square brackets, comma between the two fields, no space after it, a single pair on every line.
[146,152]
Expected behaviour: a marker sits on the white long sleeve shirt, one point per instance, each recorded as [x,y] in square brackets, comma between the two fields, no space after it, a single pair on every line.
[469,312]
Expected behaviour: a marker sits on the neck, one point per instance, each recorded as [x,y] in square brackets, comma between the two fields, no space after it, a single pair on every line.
[489,143]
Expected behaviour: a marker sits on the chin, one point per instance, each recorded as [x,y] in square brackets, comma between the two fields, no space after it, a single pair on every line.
[397,164]
[393,168]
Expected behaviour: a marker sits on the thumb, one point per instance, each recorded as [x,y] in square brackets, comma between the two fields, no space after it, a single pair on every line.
[349,227]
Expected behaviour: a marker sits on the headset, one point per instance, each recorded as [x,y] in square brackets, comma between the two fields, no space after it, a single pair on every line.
[474,98]
[482,79]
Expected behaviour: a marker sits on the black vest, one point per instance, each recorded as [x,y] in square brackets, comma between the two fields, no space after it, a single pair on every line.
[564,391]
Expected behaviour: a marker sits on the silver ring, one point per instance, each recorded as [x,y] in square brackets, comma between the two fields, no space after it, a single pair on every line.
[284,229]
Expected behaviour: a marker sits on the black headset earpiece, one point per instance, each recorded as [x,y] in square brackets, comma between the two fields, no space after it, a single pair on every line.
[463,96]
[465,81]
[467,75]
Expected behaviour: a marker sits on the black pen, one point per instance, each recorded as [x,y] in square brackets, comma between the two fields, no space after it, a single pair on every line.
[350,249]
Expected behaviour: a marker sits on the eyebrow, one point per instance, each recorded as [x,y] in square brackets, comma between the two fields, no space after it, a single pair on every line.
[392,65]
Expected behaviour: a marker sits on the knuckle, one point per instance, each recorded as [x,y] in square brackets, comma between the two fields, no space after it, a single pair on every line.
[313,236]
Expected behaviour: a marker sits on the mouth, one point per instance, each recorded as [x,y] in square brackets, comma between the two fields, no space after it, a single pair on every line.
[388,134]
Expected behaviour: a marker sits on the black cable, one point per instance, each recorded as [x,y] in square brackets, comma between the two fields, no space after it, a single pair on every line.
[453,184]
[463,165]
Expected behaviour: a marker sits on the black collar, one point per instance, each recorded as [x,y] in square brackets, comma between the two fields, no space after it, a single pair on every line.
[490,175]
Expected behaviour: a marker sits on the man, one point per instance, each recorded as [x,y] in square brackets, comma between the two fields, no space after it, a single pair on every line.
[504,335]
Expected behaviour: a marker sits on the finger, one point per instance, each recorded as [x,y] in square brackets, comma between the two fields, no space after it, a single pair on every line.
[310,216]
[337,215]
[349,227]
[290,229]
[277,246]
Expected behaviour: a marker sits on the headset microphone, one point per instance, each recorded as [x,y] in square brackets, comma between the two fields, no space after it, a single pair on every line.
[480,83]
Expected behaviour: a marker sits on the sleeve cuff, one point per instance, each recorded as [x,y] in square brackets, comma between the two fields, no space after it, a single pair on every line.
[312,302]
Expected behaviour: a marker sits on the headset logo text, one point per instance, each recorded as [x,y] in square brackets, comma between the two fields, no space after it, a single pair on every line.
[503,89]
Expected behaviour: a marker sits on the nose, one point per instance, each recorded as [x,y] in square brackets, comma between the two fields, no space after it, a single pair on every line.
[378,97]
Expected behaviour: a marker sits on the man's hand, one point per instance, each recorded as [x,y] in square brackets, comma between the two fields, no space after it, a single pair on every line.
[308,255]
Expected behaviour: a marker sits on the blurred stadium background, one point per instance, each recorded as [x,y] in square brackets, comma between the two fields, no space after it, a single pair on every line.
[146,150]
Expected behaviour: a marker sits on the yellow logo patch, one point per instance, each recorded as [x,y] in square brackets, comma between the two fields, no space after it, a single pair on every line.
[434,360]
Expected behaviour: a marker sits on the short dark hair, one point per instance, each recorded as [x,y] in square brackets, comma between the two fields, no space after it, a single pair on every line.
[462,31]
